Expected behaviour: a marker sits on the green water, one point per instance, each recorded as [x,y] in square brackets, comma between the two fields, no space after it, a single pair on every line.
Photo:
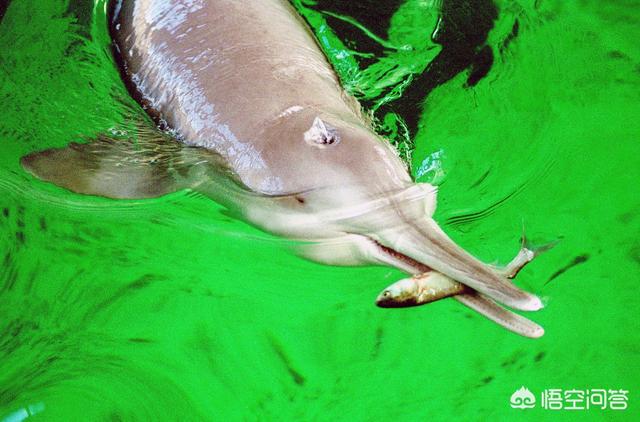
[167,309]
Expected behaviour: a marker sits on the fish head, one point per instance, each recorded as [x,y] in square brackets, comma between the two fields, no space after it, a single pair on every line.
[400,294]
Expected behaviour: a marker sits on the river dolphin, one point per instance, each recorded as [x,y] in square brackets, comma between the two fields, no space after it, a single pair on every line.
[256,118]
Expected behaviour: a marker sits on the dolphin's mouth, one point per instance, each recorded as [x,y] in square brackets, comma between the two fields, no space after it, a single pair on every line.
[417,267]
[412,266]
[468,296]
[420,245]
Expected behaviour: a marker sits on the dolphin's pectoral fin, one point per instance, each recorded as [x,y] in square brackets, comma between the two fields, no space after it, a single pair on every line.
[507,319]
[148,165]
[104,167]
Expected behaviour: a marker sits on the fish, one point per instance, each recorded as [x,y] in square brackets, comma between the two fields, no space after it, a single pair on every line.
[431,286]
[419,290]
[241,105]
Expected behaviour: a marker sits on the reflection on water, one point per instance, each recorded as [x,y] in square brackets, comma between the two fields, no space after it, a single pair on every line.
[24,413]
[169,308]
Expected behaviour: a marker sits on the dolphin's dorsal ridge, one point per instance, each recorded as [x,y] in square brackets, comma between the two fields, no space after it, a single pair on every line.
[321,134]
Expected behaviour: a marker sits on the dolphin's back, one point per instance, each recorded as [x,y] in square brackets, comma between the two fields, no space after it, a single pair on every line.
[224,73]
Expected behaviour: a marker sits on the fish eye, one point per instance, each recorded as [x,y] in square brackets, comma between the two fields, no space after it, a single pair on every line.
[386,293]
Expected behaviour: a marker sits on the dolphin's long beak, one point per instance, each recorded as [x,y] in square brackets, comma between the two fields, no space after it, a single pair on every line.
[424,241]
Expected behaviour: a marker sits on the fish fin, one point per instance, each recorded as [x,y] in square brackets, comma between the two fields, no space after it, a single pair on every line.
[526,254]
[507,319]
[148,164]
[536,249]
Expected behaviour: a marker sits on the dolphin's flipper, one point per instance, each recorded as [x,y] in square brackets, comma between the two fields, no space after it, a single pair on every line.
[146,165]
[104,167]
[507,319]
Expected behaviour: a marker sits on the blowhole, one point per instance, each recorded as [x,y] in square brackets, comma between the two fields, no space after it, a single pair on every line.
[321,134]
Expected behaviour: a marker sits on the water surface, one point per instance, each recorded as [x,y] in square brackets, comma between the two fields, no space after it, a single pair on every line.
[523,112]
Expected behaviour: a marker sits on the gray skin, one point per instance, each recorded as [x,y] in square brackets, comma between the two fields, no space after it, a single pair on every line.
[246,83]
[246,79]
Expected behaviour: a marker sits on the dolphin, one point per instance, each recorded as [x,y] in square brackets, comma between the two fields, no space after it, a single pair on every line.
[254,117]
